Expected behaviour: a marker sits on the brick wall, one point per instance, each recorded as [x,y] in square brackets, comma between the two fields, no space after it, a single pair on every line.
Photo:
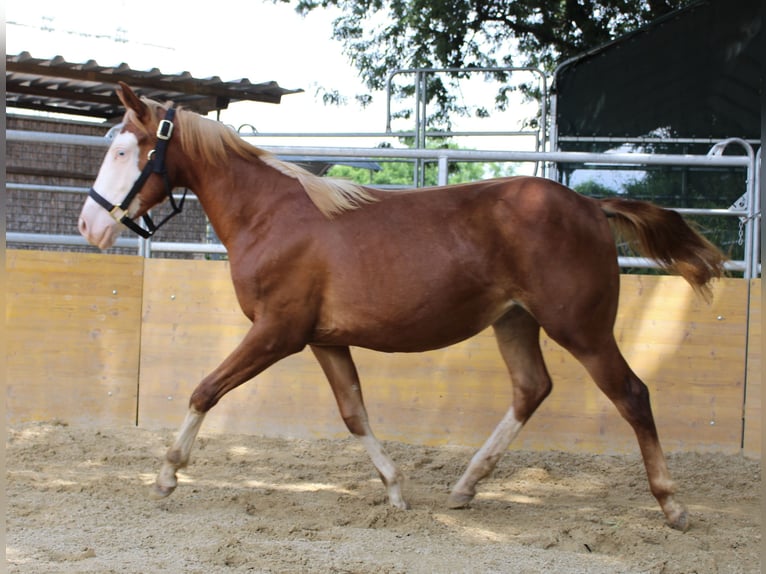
[72,166]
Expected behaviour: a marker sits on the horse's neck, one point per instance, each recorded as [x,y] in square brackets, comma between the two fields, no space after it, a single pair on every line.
[239,195]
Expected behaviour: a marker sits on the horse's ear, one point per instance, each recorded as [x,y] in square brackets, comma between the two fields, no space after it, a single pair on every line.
[131,101]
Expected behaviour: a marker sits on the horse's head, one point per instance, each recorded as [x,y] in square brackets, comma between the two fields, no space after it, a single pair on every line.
[133,177]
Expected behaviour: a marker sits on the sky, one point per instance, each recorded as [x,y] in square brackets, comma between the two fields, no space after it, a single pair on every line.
[254,39]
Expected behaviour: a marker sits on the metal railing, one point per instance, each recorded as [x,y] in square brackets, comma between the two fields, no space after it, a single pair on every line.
[749,214]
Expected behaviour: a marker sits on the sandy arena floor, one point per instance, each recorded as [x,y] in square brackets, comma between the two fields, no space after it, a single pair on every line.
[77,503]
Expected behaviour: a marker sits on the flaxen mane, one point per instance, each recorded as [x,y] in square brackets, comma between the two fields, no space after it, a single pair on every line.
[210,140]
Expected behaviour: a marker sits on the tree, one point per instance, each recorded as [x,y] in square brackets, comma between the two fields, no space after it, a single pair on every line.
[380,36]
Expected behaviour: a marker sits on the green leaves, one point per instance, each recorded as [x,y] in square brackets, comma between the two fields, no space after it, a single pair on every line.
[380,36]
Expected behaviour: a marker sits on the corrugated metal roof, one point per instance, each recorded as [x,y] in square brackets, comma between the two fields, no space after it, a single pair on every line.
[87,89]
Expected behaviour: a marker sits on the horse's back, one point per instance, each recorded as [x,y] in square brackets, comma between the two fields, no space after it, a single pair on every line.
[514,228]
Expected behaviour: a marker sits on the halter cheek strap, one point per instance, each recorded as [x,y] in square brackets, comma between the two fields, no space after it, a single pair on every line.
[155,164]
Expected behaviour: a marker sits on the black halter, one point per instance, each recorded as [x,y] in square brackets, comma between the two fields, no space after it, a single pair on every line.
[156,164]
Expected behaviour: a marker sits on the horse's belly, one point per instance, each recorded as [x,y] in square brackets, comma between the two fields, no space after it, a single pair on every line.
[410,330]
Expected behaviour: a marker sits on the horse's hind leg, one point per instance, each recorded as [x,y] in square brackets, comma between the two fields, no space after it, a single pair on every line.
[630,395]
[338,366]
[517,334]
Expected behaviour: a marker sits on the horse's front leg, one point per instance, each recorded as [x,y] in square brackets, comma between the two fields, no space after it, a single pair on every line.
[338,366]
[177,456]
[260,348]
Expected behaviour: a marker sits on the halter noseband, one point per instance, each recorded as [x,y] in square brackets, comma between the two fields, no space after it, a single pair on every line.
[155,164]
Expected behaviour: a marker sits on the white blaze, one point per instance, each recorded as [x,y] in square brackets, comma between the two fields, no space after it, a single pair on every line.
[115,179]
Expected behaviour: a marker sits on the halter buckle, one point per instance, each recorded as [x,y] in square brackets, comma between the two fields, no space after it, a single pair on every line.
[118,213]
[164,130]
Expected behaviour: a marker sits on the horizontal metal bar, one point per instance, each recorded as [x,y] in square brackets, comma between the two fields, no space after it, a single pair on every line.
[70,189]
[447,134]
[51,239]
[643,262]
[176,247]
[518,156]
[123,242]
[303,135]
[55,138]
[387,135]
[703,211]
[639,140]
[46,188]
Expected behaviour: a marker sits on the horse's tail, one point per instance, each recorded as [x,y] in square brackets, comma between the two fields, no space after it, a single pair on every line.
[663,235]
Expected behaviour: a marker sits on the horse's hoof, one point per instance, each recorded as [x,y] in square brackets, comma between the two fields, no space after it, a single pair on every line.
[459,500]
[159,492]
[680,521]
[400,504]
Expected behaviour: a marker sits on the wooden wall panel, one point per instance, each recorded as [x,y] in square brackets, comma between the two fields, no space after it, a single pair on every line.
[753,435]
[73,323]
[691,355]
[72,330]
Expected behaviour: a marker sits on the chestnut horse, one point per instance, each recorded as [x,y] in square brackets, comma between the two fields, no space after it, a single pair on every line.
[329,264]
